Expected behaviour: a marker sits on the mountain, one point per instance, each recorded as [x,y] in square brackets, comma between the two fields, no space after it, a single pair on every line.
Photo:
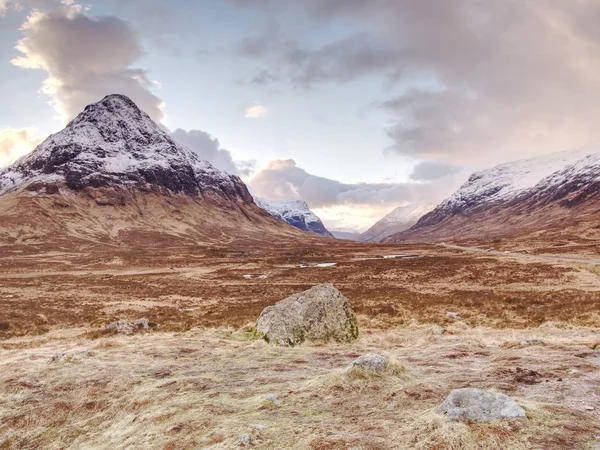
[556,196]
[398,220]
[114,174]
[296,213]
[346,235]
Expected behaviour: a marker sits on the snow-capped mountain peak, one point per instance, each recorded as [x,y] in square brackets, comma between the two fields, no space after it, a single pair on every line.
[113,143]
[296,213]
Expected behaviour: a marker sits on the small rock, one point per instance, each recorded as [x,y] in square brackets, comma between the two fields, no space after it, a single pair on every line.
[438,331]
[258,428]
[573,372]
[372,362]
[126,327]
[589,408]
[59,357]
[42,318]
[120,326]
[453,315]
[244,440]
[70,357]
[526,342]
[273,399]
[477,405]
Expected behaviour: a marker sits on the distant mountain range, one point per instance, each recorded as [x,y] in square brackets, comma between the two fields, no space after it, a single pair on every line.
[398,220]
[296,213]
[114,175]
[347,235]
[556,194]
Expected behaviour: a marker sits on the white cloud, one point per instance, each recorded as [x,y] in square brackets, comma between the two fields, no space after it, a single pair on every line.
[16,142]
[255,112]
[86,58]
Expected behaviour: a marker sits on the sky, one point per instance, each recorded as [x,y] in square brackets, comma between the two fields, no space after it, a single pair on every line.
[355,106]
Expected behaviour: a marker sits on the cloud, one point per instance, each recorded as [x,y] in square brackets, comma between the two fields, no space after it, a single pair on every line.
[86,58]
[467,81]
[354,206]
[255,112]
[16,142]
[432,170]
[284,180]
[209,148]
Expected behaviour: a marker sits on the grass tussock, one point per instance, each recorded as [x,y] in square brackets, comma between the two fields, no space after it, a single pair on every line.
[355,378]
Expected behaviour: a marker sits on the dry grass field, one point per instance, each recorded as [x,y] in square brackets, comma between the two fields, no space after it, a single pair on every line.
[524,327]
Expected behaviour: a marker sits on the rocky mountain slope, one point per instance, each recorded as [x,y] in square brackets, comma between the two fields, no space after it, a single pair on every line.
[557,194]
[296,213]
[113,173]
[398,220]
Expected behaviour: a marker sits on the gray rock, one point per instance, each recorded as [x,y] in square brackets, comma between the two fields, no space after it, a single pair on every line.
[438,331]
[453,315]
[372,362]
[273,399]
[120,326]
[477,405]
[126,327]
[244,440]
[319,314]
[532,342]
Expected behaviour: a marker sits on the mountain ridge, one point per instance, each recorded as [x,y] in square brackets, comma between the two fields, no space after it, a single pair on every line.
[556,194]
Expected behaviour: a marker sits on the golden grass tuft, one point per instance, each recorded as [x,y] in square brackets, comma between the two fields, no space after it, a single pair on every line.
[355,378]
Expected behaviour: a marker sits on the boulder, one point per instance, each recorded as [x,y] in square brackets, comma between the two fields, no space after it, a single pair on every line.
[477,405]
[371,362]
[319,314]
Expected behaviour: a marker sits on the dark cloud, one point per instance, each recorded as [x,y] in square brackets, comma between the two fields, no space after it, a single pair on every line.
[284,180]
[209,149]
[475,81]
[86,58]
[263,78]
[341,60]
[432,170]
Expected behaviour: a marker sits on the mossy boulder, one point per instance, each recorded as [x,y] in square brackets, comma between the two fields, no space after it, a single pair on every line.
[320,314]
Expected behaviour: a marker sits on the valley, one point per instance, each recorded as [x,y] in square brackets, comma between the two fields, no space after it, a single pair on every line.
[200,380]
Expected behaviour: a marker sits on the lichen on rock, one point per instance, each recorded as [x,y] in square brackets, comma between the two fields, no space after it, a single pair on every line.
[320,314]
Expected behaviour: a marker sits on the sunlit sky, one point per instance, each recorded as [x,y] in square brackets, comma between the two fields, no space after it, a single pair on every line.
[355,106]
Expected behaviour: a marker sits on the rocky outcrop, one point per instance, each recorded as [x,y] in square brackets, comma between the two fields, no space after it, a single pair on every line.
[319,314]
[476,405]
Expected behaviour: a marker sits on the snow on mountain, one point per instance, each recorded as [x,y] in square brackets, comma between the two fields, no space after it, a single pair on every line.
[507,181]
[398,220]
[296,213]
[530,195]
[113,143]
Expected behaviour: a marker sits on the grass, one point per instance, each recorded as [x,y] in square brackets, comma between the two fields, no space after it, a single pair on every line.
[200,389]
